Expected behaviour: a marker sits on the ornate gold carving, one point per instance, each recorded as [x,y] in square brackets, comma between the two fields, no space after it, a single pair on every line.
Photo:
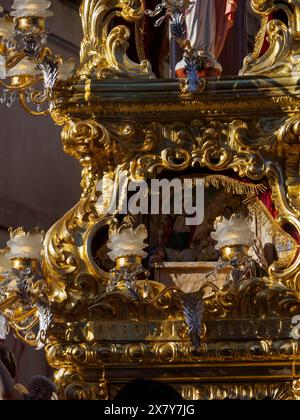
[246,127]
[215,144]
[252,147]
[289,148]
[84,140]
[74,386]
[83,356]
[281,58]
[256,391]
[103,49]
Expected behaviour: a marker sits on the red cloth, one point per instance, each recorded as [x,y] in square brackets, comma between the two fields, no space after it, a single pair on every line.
[208,72]
[225,15]
[266,43]
[266,199]
[280,15]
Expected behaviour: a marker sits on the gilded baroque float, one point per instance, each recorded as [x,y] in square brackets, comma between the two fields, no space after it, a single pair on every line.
[232,336]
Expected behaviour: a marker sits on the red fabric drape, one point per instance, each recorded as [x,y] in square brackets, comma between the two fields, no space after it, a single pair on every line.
[225,15]
[266,199]
[280,15]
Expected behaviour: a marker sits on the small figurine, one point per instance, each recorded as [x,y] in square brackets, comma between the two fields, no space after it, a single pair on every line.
[207,25]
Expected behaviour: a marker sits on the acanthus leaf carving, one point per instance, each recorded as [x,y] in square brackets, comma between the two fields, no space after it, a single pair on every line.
[281,57]
[104,46]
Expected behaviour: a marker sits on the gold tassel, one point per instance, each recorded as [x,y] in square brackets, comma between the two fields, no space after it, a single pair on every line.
[257,208]
[233,186]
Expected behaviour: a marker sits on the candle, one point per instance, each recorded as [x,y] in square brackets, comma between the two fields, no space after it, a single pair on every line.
[2,67]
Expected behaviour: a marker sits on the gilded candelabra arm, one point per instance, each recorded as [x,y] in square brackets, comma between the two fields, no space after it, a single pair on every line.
[21,87]
[13,58]
[280,29]
[28,96]
[29,71]
[24,306]
[28,321]
[104,46]
[25,98]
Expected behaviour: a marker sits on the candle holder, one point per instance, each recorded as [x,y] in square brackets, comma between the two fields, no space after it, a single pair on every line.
[24,264]
[234,252]
[22,290]
[29,71]
[25,245]
[31,9]
[234,237]
[127,251]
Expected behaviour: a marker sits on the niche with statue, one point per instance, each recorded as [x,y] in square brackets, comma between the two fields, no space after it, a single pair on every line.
[239,221]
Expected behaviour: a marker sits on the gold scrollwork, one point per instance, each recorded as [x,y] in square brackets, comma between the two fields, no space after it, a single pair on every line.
[104,48]
[74,386]
[244,391]
[162,351]
[280,59]
[109,129]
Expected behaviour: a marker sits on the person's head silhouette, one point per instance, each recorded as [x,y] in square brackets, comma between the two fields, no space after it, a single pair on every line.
[146,391]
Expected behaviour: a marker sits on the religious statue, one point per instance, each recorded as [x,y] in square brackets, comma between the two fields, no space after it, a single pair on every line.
[208,23]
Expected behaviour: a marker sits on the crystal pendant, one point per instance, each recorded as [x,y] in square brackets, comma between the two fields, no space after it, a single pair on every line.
[2,67]
[4,328]
[3,96]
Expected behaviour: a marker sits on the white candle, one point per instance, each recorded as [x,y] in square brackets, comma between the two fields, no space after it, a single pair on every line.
[4,329]
[2,67]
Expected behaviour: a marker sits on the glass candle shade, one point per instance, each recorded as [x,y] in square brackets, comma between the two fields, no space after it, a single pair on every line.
[25,245]
[31,8]
[65,70]
[5,263]
[128,242]
[236,232]
[23,70]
